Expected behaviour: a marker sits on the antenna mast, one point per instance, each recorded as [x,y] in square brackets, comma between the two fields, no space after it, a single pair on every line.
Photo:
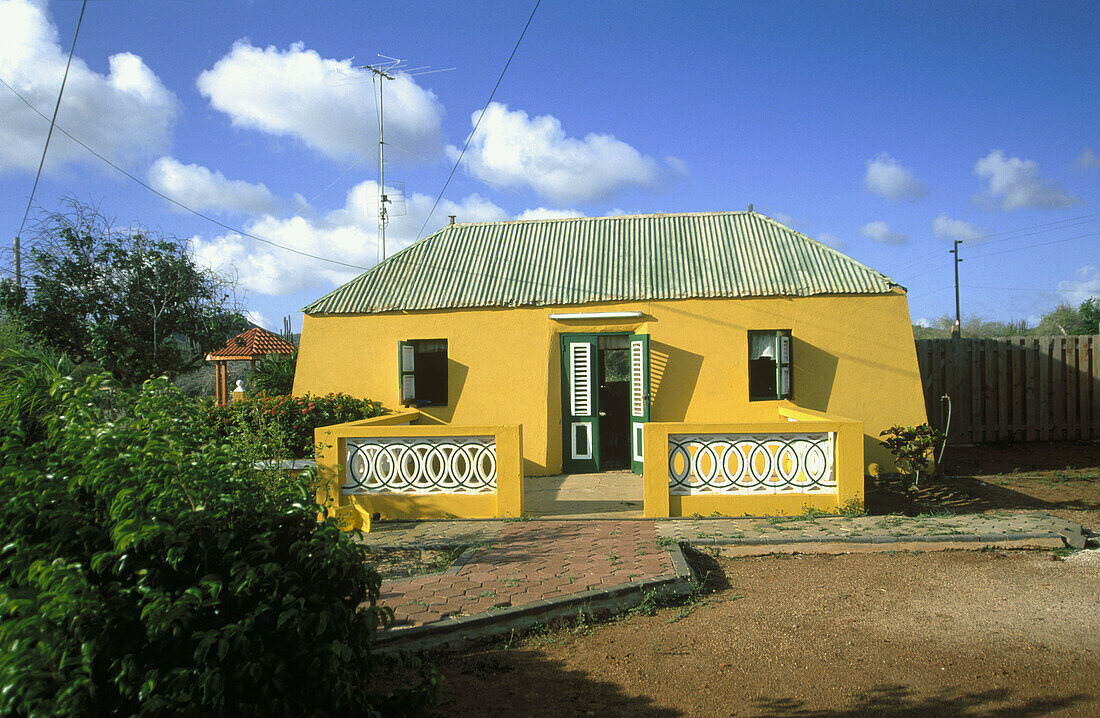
[383,74]
[385,71]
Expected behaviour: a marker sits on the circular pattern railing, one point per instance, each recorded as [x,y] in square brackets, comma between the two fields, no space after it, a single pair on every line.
[748,464]
[435,465]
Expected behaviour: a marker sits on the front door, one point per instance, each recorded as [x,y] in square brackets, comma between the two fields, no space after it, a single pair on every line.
[605,400]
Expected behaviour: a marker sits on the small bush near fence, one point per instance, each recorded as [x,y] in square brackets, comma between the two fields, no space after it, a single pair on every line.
[146,572]
[284,425]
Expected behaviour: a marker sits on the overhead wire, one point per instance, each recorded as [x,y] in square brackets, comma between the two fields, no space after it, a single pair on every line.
[53,120]
[179,204]
[478,123]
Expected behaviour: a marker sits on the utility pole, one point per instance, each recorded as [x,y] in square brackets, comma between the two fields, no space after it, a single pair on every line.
[383,214]
[957,332]
[18,265]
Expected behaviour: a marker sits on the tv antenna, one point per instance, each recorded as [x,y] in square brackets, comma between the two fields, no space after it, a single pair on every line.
[380,72]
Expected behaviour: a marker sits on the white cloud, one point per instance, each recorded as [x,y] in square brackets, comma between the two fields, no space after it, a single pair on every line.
[257,318]
[348,234]
[511,149]
[887,178]
[126,115]
[1014,183]
[1087,160]
[546,213]
[833,241]
[326,104]
[200,188]
[880,232]
[1086,285]
[946,228]
[784,219]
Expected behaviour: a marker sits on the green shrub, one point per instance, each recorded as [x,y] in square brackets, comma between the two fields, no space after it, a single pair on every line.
[274,375]
[27,371]
[912,447]
[146,572]
[291,418]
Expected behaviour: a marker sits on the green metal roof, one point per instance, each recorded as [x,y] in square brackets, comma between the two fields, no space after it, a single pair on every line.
[602,259]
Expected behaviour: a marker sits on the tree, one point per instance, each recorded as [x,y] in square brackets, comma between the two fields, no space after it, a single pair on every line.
[1064,319]
[130,299]
[974,327]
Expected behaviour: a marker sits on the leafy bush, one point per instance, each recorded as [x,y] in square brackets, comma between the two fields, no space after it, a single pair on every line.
[274,375]
[290,420]
[145,572]
[27,371]
[912,446]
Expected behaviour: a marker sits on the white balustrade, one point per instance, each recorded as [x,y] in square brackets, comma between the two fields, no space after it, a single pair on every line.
[421,465]
[745,464]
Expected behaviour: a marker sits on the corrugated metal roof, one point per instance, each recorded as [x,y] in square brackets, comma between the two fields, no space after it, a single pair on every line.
[603,259]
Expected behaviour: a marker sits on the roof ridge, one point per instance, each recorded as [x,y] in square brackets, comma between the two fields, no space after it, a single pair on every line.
[534,220]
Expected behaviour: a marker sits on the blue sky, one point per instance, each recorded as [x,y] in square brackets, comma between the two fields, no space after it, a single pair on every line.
[884,129]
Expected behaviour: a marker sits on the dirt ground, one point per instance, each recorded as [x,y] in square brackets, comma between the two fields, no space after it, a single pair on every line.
[1062,479]
[958,633]
[937,634]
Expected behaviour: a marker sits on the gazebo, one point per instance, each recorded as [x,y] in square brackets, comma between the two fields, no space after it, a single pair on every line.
[256,343]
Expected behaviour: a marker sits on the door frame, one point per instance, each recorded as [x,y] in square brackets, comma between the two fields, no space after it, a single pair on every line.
[587,425]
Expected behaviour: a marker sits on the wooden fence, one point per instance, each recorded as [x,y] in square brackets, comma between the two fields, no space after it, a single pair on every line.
[1014,388]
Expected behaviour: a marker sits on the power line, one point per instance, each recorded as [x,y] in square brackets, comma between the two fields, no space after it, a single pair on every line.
[1017,234]
[176,202]
[1037,244]
[53,120]
[478,123]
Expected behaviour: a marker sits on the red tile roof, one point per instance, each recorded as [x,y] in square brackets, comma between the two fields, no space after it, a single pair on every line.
[255,342]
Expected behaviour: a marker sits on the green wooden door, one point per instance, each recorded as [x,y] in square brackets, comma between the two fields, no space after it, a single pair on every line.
[580,413]
[639,396]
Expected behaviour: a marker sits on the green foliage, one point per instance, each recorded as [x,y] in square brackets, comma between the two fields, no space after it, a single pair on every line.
[912,446]
[27,372]
[291,418]
[1063,319]
[130,300]
[973,327]
[144,572]
[274,375]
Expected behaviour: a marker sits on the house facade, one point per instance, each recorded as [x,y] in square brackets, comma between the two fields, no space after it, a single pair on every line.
[581,331]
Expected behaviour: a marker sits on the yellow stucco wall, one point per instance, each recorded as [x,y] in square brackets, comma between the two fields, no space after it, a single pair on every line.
[853,356]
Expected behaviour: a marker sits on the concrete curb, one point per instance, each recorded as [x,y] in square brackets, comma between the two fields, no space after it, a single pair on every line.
[460,631]
[908,538]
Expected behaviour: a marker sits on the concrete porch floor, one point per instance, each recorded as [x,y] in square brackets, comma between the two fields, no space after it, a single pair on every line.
[610,494]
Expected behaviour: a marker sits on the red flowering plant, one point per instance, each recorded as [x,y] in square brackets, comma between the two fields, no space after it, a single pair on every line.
[287,420]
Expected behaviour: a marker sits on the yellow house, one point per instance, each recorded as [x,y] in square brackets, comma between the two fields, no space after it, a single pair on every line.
[583,331]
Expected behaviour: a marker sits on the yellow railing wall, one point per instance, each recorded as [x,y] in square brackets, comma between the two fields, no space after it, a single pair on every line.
[847,465]
[356,510]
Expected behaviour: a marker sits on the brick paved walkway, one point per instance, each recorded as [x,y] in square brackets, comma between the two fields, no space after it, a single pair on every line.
[529,562]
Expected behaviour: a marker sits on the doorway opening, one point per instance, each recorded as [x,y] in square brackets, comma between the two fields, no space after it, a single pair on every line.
[613,381]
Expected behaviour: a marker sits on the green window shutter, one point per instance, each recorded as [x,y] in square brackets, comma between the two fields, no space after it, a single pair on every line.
[783,365]
[406,368]
[580,417]
[639,396]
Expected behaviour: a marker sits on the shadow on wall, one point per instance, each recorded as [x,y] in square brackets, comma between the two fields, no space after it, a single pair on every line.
[814,371]
[456,380]
[673,374]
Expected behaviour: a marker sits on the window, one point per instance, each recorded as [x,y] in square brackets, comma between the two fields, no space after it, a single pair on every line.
[769,365]
[423,367]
